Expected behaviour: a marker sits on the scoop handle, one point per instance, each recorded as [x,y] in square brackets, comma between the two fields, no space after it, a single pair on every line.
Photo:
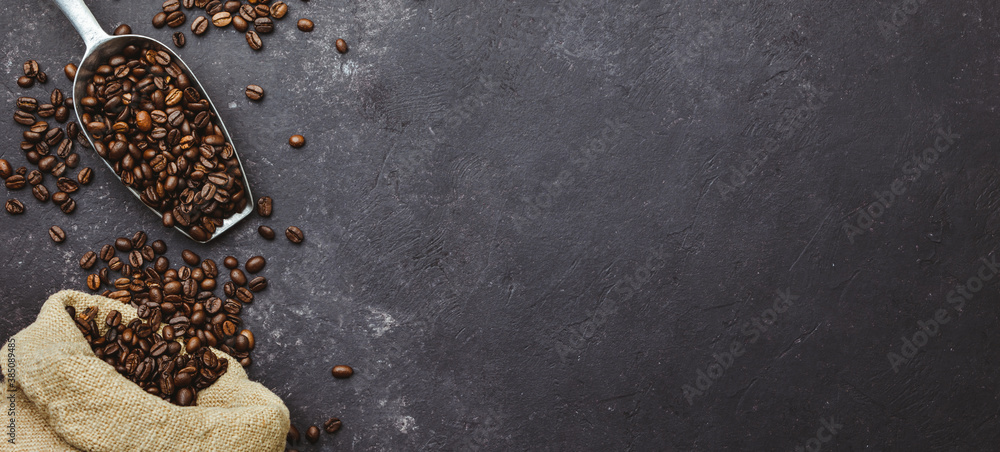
[83,20]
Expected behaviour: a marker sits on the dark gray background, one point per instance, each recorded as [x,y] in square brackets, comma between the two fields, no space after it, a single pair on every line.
[527,226]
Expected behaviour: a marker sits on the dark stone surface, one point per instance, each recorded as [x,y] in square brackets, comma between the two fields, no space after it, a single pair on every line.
[528,227]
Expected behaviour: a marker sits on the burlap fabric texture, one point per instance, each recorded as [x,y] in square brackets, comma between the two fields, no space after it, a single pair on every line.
[67,399]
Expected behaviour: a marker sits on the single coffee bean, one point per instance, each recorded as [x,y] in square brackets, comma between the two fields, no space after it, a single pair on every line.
[247,13]
[179,41]
[184,396]
[93,282]
[16,182]
[199,25]
[25,82]
[240,24]
[31,68]
[70,71]
[68,207]
[238,277]
[297,141]
[265,206]
[255,264]
[341,46]
[294,234]
[332,425]
[254,92]
[257,284]
[230,262]
[170,6]
[160,19]
[305,25]
[312,434]
[34,177]
[139,240]
[24,118]
[14,207]
[60,197]
[27,104]
[62,113]
[293,435]
[40,193]
[190,257]
[279,9]
[159,246]
[85,176]
[42,77]
[56,97]
[21,171]
[88,260]
[135,259]
[176,19]
[57,234]
[213,7]
[265,232]
[123,29]
[5,169]
[60,169]
[253,39]
[123,244]
[67,185]
[107,252]
[263,25]
[244,295]
[222,19]
[231,6]
[262,10]
[342,371]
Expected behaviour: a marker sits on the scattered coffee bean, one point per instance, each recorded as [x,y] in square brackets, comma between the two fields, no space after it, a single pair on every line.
[341,46]
[123,244]
[57,234]
[93,282]
[14,207]
[265,206]
[107,252]
[123,29]
[238,277]
[68,207]
[42,77]
[25,82]
[85,176]
[278,9]
[342,371]
[332,425]
[266,232]
[190,257]
[40,193]
[297,141]
[199,25]
[263,25]
[176,19]
[312,434]
[253,39]
[31,68]
[5,169]
[56,97]
[16,182]
[257,284]
[34,177]
[222,19]
[159,247]
[230,262]
[179,42]
[254,92]
[88,260]
[294,234]
[240,24]
[293,436]
[160,19]
[70,71]
[305,25]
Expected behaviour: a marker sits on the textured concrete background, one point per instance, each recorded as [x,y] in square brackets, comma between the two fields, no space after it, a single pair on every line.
[538,226]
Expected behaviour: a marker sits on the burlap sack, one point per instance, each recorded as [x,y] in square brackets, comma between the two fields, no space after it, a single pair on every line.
[67,399]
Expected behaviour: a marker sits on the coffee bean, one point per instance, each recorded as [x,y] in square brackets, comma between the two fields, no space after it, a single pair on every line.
[160,19]
[14,207]
[263,25]
[27,104]
[93,282]
[16,182]
[200,25]
[231,6]
[213,7]
[5,169]
[57,234]
[279,9]
[106,253]
[170,6]
[247,13]
[222,19]
[312,434]
[262,10]
[257,284]
[238,277]
[253,39]
[184,397]
[67,185]
[85,176]
[255,264]
[70,71]
[31,68]
[40,193]
[342,371]
[266,232]
[294,234]
[254,92]
[24,118]
[239,23]
[42,77]
[88,260]
[135,258]
[159,246]
[179,41]
[123,244]
[341,46]
[123,29]
[25,82]
[244,295]
[190,257]
[62,113]
[293,435]
[34,177]
[68,207]
[139,240]
[332,425]
[305,25]
[176,19]
[297,141]
[59,170]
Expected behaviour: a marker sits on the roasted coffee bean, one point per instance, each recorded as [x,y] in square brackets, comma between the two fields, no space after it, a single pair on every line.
[213,7]
[179,41]
[250,339]
[40,193]
[62,113]
[240,24]
[107,252]
[231,6]
[160,19]
[14,207]
[46,111]
[342,371]
[229,289]
[184,397]
[139,240]
[266,232]
[244,295]
[297,141]
[209,268]
[159,246]
[341,46]
[312,434]
[279,9]
[305,25]
[85,176]
[193,344]
[261,10]
[123,244]
[161,265]
[67,185]
[24,118]
[294,234]
[34,177]
[170,6]
[65,148]
[27,104]
[265,206]
[230,262]
[122,29]
[135,258]
[88,260]
[238,277]
[255,264]
[332,425]
[176,19]
[56,97]
[60,197]
[93,282]
[263,25]
[254,92]
[199,25]
[16,182]
[190,257]
[25,82]
[222,19]
[59,169]
[68,207]
[293,435]
[116,264]
[42,77]
[257,284]
[70,71]
[5,169]
[57,234]
[21,171]
[31,68]
[247,13]
[253,39]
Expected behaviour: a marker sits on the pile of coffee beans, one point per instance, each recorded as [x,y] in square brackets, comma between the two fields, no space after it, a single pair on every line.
[182,299]
[258,14]
[48,147]
[148,358]
[158,132]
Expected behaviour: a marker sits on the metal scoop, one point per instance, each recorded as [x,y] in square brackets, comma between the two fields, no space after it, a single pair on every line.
[100,47]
